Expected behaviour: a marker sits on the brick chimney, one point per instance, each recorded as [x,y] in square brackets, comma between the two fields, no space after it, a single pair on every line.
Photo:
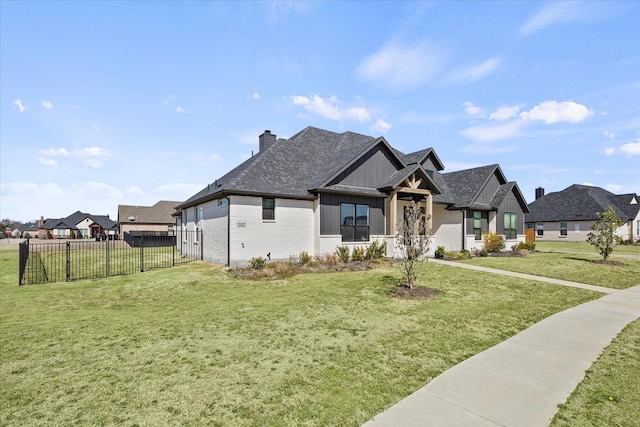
[266,139]
[539,192]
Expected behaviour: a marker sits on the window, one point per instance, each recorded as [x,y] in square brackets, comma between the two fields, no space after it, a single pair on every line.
[563,228]
[354,222]
[268,209]
[196,217]
[430,173]
[170,230]
[540,230]
[477,224]
[223,202]
[510,225]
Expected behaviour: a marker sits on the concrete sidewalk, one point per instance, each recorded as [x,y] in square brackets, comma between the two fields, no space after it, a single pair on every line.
[521,381]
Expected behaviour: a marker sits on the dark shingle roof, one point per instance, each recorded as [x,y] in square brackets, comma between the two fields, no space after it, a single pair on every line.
[310,160]
[72,221]
[580,203]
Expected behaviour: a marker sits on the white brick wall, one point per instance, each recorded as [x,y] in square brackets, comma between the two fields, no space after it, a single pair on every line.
[447,229]
[290,233]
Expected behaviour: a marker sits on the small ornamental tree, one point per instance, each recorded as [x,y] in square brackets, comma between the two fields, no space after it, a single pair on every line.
[604,236]
[412,241]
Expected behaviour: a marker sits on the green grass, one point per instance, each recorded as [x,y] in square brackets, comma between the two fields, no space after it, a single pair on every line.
[610,392]
[574,267]
[584,247]
[192,345]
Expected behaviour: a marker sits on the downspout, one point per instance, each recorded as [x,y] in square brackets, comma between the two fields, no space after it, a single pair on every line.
[228,231]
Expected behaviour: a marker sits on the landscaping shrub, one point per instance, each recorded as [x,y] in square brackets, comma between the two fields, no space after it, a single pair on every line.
[305,258]
[257,263]
[358,253]
[481,252]
[344,253]
[493,242]
[329,260]
[440,252]
[376,250]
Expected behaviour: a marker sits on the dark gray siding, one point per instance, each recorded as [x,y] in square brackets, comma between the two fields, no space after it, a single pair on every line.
[370,171]
[489,190]
[428,165]
[510,204]
[469,220]
[330,212]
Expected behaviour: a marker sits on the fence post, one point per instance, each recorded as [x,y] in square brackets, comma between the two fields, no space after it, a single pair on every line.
[108,260]
[201,247]
[142,252]
[23,257]
[68,261]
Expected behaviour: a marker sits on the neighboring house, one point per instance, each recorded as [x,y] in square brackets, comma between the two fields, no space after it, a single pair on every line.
[78,225]
[29,229]
[569,214]
[319,190]
[156,219]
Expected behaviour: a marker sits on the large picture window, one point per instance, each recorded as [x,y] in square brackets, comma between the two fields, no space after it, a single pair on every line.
[268,208]
[354,222]
[510,225]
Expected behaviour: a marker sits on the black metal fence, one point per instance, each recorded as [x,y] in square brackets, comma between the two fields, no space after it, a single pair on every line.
[49,262]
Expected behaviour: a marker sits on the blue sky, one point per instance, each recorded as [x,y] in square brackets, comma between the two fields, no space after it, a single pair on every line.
[108,103]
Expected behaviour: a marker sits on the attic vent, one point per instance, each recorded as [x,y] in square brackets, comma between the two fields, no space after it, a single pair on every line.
[132,218]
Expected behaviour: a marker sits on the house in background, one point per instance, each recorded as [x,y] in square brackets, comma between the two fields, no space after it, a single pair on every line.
[568,215]
[30,229]
[157,219]
[78,225]
[319,190]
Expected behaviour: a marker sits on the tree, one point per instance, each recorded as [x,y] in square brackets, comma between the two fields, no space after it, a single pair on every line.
[604,236]
[412,241]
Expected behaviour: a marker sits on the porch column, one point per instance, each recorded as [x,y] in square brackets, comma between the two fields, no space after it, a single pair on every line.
[393,213]
[429,211]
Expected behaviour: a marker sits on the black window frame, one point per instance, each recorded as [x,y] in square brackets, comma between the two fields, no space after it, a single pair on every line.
[355,227]
[511,232]
[268,212]
[564,230]
[477,224]
[539,229]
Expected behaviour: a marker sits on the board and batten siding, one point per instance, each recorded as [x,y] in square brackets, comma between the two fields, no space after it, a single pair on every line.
[330,213]
[489,190]
[370,171]
[510,204]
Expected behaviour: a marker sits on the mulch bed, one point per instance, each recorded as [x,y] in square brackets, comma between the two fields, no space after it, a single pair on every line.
[607,262]
[417,293]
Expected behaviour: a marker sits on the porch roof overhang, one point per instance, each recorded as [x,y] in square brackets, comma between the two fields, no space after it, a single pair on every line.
[348,189]
[416,176]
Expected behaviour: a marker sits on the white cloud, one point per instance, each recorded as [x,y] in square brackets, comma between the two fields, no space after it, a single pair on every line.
[168,99]
[177,191]
[18,103]
[403,66]
[330,108]
[47,105]
[134,192]
[491,133]
[180,110]
[609,135]
[614,188]
[96,128]
[47,162]
[475,72]
[557,12]
[256,95]
[631,149]
[54,152]
[555,112]
[381,126]
[96,190]
[471,109]
[609,151]
[505,113]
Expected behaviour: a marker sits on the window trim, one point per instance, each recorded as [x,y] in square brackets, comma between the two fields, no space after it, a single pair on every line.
[477,231]
[540,229]
[564,230]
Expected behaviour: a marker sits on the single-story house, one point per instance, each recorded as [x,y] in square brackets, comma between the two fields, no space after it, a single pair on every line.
[568,215]
[319,190]
[156,219]
[78,225]
[30,229]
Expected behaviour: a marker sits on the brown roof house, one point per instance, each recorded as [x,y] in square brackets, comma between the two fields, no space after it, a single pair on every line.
[156,219]
[319,190]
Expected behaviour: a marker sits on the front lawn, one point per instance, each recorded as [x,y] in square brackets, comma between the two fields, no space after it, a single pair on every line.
[610,392]
[587,248]
[193,345]
[574,267]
